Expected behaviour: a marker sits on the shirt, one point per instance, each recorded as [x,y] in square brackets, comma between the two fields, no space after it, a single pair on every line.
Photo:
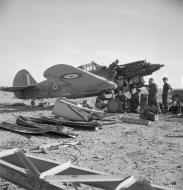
[153,90]
[166,88]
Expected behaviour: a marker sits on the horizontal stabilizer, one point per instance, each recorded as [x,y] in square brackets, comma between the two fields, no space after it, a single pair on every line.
[17,88]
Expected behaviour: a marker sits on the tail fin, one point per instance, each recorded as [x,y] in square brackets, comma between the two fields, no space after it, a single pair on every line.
[23,78]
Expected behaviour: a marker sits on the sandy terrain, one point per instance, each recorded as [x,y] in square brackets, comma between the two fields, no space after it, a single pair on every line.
[125,149]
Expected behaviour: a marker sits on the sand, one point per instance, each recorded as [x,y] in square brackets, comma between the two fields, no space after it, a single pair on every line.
[125,149]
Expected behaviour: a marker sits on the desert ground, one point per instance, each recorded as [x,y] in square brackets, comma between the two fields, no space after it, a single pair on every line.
[121,148]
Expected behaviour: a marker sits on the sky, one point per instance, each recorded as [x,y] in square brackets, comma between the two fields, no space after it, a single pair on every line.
[37,34]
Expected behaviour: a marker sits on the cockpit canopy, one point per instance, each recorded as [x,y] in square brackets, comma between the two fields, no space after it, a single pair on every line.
[90,66]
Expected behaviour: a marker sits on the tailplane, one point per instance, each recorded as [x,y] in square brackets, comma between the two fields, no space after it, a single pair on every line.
[23,79]
[22,82]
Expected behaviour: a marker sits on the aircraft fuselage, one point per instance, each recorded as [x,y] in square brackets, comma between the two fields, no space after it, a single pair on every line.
[47,89]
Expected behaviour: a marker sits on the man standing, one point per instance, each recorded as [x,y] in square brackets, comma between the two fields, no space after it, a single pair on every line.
[167,89]
[135,101]
[122,99]
[153,91]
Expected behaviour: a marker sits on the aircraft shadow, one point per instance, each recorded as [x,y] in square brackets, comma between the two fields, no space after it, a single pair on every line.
[28,136]
[25,108]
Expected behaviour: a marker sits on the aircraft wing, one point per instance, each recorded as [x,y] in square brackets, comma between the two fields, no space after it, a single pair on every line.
[17,88]
[77,79]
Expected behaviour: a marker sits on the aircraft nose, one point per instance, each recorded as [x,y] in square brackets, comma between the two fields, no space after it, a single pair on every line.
[113,85]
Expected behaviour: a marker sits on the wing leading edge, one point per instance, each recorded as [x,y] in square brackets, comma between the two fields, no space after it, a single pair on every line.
[76,78]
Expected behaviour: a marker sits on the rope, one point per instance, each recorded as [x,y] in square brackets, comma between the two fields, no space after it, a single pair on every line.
[76,158]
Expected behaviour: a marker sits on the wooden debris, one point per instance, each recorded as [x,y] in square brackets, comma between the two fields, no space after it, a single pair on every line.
[90,125]
[61,130]
[27,163]
[20,129]
[34,173]
[51,146]
[135,121]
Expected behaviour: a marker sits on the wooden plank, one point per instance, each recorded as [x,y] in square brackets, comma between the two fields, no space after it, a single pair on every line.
[71,174]
[104,182]
[14,167]
[133,184]
[83,178]
[126,183]
[55,170]
[7,152]
[20,177]
[129,183]
[21,129]
[27,162]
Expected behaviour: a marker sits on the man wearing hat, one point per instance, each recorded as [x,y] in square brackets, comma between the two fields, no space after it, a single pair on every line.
[167,89]
[153,91]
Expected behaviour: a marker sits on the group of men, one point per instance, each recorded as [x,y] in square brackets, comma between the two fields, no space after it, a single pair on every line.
[153,93]
[133,103]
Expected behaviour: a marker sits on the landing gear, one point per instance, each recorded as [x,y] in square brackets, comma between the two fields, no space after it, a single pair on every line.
[116,106]
[39,102]
[33,103]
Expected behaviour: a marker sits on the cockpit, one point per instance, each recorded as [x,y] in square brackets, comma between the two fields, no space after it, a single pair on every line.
[90,66]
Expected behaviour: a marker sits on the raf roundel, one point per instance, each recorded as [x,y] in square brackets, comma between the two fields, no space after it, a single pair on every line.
[54,87]
[71,76]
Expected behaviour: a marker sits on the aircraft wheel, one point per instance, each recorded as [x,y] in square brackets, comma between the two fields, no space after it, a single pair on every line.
[33,103]
[114,106]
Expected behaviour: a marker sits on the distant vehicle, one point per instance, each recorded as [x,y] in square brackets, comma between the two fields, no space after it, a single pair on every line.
[125,76]
[62,81]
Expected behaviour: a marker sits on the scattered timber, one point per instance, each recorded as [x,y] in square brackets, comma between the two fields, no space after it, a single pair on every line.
[32,173]
[84,125]
[135,121]
[20,129]
[23,121]
[51,146]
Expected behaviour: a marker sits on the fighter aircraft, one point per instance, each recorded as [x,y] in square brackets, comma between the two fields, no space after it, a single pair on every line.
[61,81]
[125,76]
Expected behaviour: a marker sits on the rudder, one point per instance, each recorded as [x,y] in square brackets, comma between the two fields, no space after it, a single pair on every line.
[23,78]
